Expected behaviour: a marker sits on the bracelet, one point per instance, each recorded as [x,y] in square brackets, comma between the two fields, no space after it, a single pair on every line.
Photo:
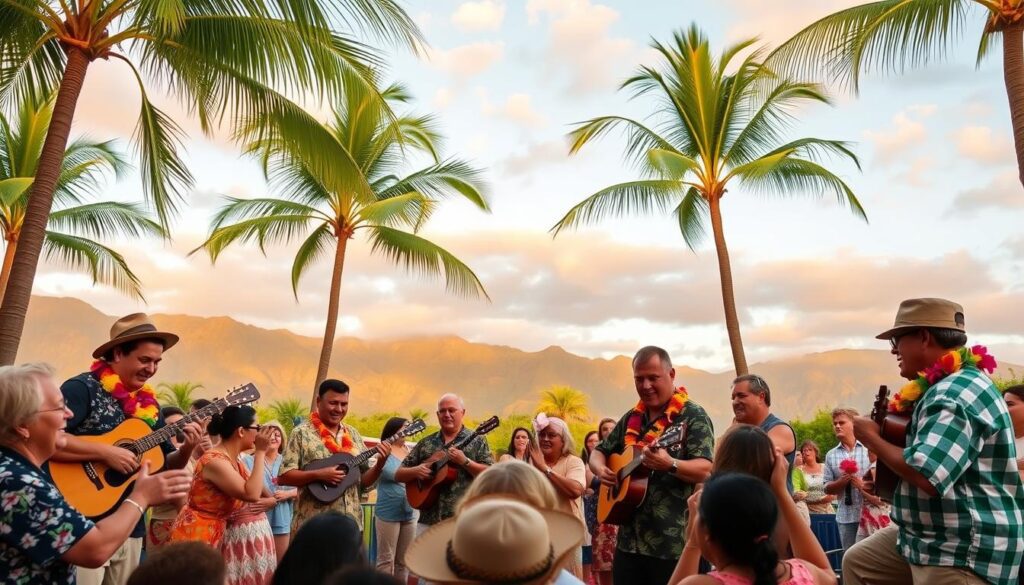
[142,510]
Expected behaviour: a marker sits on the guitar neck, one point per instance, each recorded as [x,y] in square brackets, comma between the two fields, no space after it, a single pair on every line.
[366,455]
[157,437]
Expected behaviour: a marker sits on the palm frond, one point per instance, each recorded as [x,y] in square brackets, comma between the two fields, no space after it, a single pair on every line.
[31,60]
[421,256]
[408,209]
[791,176]
[635,197]
[692,216]
[670,164]
[767,124]
[106,219]
[84,164]
[14,189]
[312,249]
[440,181]
[256,220]
[236,208]
[639,138]
[103,264]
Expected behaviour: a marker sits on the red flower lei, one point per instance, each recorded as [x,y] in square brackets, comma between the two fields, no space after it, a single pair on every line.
[140,404]
[634,425]
[346,446]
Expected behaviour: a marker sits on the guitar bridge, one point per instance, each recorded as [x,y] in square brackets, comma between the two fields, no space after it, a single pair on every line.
[94,477]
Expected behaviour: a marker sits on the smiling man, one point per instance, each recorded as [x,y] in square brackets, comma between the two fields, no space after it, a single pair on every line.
[751,404]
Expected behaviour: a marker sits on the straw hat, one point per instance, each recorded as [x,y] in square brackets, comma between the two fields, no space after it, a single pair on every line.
[496,540]
[133,327]
[916,313]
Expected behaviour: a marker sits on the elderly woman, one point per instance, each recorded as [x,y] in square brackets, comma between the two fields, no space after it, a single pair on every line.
[43,536]
[553,455]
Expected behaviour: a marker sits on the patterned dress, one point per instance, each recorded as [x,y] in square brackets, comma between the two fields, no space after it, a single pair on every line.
[204,518]
[248,548]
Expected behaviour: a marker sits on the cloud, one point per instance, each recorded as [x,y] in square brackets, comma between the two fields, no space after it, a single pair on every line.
[518,108]
[981,145]
[776,21]
[485,15]
[443,98]
[537,155]
[1003,192]
[466,61]
[906,132]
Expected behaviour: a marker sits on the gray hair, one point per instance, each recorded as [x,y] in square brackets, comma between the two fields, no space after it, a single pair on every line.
[647,352]
[444,397]
[757,386]
[20,397]
[568,445]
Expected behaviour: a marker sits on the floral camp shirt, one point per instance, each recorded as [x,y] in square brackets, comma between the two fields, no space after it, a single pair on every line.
[477,450]
[37,525]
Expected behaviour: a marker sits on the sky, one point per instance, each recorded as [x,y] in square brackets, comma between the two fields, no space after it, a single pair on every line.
[507,80]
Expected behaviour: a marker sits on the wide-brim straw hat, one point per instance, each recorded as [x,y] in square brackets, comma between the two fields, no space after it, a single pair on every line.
[133,327]
[918,313]
[496,540]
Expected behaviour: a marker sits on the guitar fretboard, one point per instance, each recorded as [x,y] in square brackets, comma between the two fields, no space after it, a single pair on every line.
[157,437]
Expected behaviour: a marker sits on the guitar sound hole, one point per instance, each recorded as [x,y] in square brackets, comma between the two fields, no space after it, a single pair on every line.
[115,478]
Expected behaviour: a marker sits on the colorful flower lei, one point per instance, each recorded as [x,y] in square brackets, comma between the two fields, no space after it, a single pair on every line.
[976,357]
[140,404]
[346,446]
[635,423]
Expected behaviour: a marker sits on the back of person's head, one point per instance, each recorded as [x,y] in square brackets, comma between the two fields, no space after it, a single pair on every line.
[361,576]
[739,513]
[514,479]
[199,404]
[181,563]
[167,411]
[324,544]
[745,449]
[233,418]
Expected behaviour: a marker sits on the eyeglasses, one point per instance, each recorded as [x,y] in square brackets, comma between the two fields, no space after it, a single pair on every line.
[894,341]
[254,427]
[62,407]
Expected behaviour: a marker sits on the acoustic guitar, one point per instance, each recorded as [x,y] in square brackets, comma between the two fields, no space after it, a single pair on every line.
[893,428]
[616,504]
[94,489]
[350,464]
[423,493]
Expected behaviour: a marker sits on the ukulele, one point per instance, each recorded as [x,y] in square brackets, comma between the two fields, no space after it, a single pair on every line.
[94,489]
[616,504]
[893,428]
[326,493]
[423,493]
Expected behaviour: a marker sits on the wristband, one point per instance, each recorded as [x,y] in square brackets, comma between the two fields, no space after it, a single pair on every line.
[142,510]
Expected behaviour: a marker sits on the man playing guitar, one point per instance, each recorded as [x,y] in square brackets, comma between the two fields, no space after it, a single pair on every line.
[471,461]
[321,435]
[650,544]
[956,511]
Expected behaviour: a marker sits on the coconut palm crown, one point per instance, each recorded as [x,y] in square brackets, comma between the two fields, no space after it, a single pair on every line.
[721,125]
[326,212]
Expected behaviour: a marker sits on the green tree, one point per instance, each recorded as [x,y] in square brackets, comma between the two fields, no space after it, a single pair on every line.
[286,411]
[818,429]
[1004,382]
[896,35]
[221,58]
[499,438]
[418,413]
[721,124]
[177,394]
[327,209]
[72,225]
[565,402]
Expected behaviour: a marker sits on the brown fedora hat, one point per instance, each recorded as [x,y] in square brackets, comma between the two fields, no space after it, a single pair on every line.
[133,327]
[917,313]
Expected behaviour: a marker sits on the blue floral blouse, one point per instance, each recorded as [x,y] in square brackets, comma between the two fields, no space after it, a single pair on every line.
[37,525]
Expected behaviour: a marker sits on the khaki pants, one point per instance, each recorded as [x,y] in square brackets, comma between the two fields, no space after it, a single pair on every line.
[393,538]
[117,569]
[876,561]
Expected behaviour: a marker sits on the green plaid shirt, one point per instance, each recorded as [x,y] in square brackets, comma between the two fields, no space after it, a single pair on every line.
[961,439]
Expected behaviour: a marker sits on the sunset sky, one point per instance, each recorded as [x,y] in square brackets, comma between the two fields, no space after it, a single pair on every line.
[507,79]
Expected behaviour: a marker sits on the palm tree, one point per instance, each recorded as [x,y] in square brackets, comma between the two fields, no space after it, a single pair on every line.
[418,413]
[896,35]
[220,57]
[565,402]
[329,210]
[720,123]
[177,394]
[84,164]
[287,411]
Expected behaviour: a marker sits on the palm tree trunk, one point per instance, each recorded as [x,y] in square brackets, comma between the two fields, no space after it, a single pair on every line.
[732,322]
[37,213]
[1013,75]
[332,315]
[5,271]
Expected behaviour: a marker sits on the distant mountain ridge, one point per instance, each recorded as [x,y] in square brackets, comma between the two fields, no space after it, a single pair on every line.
[397,375]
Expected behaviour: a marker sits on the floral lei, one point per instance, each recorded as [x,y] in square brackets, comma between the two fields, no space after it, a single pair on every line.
[634,425]
[976,357]
[346,446]
[140,404]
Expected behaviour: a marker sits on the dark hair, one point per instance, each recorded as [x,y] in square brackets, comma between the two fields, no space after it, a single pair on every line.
[130,346]
[192,562]
[512,443]
[171,410]
[757,386]
[233,418]
[332,385]
[1018,391]
[601,424]
[392,426]
[199,404]
[745,449]
[814,446]
[361,576]
[739,512]
[948,338]
[323,544]
[647,352]
[584,454]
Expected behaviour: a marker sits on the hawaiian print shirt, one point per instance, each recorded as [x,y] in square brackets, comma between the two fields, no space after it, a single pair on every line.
[961,439]
[37,525]
[477,450]
[658,527]
[304,447]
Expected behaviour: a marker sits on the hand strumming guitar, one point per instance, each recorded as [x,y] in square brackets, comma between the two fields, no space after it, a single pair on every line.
[657,459]
[330,475]
[120,459]
[457,457]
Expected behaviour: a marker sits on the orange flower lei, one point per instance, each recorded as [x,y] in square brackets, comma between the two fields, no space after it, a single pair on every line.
[346,446]
[635,423]
[140,404]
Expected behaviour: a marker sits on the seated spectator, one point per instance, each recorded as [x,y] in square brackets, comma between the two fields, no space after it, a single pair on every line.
[732,519]
[324,544]
[41,535]
[181,563]
[496,540]
[361,576]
